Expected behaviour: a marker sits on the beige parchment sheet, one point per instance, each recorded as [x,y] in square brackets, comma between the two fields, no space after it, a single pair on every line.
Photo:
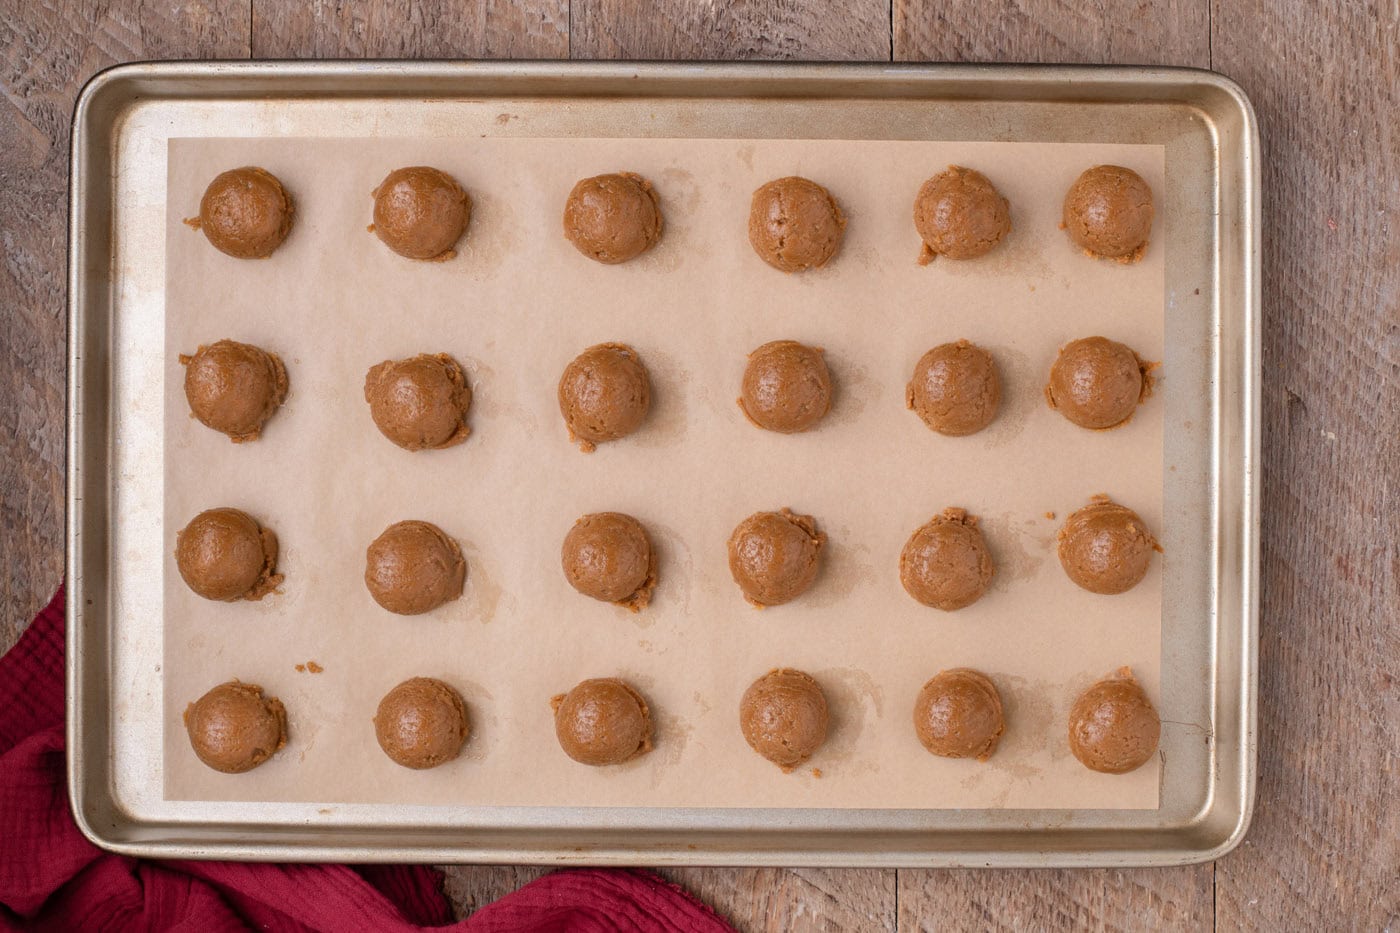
[514,307]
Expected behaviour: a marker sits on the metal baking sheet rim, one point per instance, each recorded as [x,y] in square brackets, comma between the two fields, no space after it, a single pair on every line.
[1223,806]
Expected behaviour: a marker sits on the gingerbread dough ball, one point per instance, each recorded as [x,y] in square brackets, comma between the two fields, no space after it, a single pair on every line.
[613,218]
[958,715]
[245,213]
[421,723]
[234,727]
[420,212]
[956,389]
[608,556]
[1113,727]
[783,716]
[960,214]
[795,224]
[225,554]
[786,388]
[234,387]
[946,564]
[1108,213]
[414,567]
[1098,383]
[1105,548]
[774,556]
[604,394]
[420,403]
[602,722]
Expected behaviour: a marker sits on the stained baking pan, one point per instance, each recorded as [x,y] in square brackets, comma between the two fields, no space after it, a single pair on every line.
[124,123]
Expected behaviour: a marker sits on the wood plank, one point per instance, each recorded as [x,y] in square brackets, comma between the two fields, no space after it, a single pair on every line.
[1163,32]
[1173,32]
[744,30]
[1324,851]
[50,49]
[1162,899]
[413,29]
[778,900]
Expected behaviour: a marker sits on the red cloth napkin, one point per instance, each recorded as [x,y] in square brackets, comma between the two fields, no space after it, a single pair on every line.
[51,877]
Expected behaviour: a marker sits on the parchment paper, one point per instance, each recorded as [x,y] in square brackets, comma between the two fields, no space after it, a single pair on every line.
[514,307]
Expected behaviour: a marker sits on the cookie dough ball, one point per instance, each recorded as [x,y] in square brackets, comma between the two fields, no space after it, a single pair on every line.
[1108,213]
[414,567]
[421,723]
[613,218]
[1098,383]
[225,554]
[795,224]
[234,387]
[604,394]
[960,214]
[945,564]
[786,388]
[1105,548]
[608,556]
[420,403]
[234,727]
[1113,727]
[602,722]
[956,389]
[245,213]
[774,556]
[783,717]
[958,715]
[420,213]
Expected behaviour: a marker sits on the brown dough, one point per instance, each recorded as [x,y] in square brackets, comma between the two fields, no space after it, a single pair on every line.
[1105,548]
[234,387]
[414,567]
[421,212]
[946,564]
[245,213]
[783,716]
[956,389]
[421,723]
[1108,213]
[1113,727]
[602,722]
[786,387]
[1098,383]
[420,403]
[604,394]
[795,224]
[608,556]
[225,554]
[960,214]
[234,727]
[774,556]
[958,715]
[613,218]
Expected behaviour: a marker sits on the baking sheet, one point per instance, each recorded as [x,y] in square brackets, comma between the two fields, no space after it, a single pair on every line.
[514,307]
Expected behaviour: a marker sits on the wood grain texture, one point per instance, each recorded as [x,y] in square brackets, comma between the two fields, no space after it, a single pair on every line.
[1324,851]
[1162,899]
[411,29]
[50,49]
[779,900]
[1160,32]
[739,30]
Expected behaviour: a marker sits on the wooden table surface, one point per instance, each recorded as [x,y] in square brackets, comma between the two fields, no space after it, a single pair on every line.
[1324,851]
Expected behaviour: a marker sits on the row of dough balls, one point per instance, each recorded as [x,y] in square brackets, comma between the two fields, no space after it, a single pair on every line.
[604,394]
[414,567]
[795,224]
[422,723]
